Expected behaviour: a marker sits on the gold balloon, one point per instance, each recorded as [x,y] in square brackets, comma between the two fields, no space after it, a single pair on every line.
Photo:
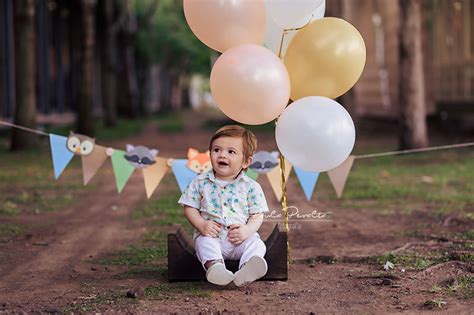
[326,58]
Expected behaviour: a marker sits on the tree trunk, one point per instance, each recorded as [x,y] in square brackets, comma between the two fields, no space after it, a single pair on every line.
[25,112]
[413,130]
[128,105]
[345,9]
[108,62]
[85,119]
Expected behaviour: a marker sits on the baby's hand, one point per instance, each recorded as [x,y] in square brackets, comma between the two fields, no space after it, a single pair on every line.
[210,228]
[238,233]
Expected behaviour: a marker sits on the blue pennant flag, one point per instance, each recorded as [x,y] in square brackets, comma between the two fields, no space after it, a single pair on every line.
[60,154]
[183,173]
[307,180]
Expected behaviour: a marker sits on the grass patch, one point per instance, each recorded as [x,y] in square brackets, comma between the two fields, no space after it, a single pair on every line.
[170,122]
[134,255]
[163,211]
[468,235]
[462,287]
[176,291]
[124,128]
[434,303]
[440,180]
[216,123]
[98,302]
[27,185]
[8,230]
[412,260]
[143,272]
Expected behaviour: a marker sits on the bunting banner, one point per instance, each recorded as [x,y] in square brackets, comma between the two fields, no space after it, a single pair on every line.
[274,177]
[183,174]
[92,162]
[152,175]
[338,176]
[252,174]
[122,169]
[154,168]
[307,181]
[60,154]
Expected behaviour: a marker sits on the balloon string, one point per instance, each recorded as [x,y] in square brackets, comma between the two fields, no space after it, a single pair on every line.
[283,180]
[282,158]
[286,30]
[23,128]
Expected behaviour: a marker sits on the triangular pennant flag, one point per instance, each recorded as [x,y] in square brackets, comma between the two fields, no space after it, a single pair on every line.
[153,174]
[122,169]
[338,175]
[183,173]
[92,162]
[252,174]
[60,154]
[307,180]
[274,177]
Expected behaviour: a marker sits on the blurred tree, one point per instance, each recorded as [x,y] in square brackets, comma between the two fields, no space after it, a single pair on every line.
[170,43]
[107,23]
[85,118]
[25,111]
[413,130]
[344,9]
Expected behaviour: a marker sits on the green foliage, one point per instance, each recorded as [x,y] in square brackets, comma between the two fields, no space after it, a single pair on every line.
[412,260]
[27,183]
[435,303]
[8,230]
[176,290]
[169,40]
[170,122]
[134,255]
[439,180]
[124,128]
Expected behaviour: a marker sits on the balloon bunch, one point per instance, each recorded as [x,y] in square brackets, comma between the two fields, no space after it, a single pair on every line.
[252,85]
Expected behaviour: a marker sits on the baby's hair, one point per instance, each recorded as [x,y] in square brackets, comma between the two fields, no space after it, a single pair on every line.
[249,141]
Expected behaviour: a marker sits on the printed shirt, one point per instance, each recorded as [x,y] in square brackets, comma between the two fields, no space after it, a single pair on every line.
[226,203]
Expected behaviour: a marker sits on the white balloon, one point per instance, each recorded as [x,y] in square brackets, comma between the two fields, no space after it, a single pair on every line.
[288,13]
[315,133]
[274,32]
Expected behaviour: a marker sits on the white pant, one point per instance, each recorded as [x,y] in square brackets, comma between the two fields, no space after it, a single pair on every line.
[212,248]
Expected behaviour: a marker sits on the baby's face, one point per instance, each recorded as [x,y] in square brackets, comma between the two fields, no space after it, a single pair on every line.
[227,157]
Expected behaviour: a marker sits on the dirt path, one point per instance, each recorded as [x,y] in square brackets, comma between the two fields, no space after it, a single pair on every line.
[51,268]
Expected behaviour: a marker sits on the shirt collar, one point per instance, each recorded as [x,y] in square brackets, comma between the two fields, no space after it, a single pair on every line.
[210,175]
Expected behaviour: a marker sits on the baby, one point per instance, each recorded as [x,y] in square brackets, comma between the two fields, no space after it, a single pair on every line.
[226,208]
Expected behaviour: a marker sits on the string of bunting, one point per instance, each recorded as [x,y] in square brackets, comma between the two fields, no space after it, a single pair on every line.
[154,168]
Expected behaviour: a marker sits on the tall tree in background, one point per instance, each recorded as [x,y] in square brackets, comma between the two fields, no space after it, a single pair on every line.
[85,118]
[344,9]
[108,28]
[25,112]
[169,43]
[413,130]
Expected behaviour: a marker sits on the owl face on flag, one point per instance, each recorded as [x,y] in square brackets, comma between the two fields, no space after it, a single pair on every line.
[79,144]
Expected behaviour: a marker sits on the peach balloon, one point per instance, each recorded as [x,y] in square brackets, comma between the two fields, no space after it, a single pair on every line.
[250,84]
[222,24]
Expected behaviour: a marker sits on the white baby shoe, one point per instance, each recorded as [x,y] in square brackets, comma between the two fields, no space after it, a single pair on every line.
[218,274]
[254,269]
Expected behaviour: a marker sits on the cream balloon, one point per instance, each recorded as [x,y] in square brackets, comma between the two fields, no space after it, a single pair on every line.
[289,13]
[222,24]
[250,84]
[315,133]
[273,33]
[325,58]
